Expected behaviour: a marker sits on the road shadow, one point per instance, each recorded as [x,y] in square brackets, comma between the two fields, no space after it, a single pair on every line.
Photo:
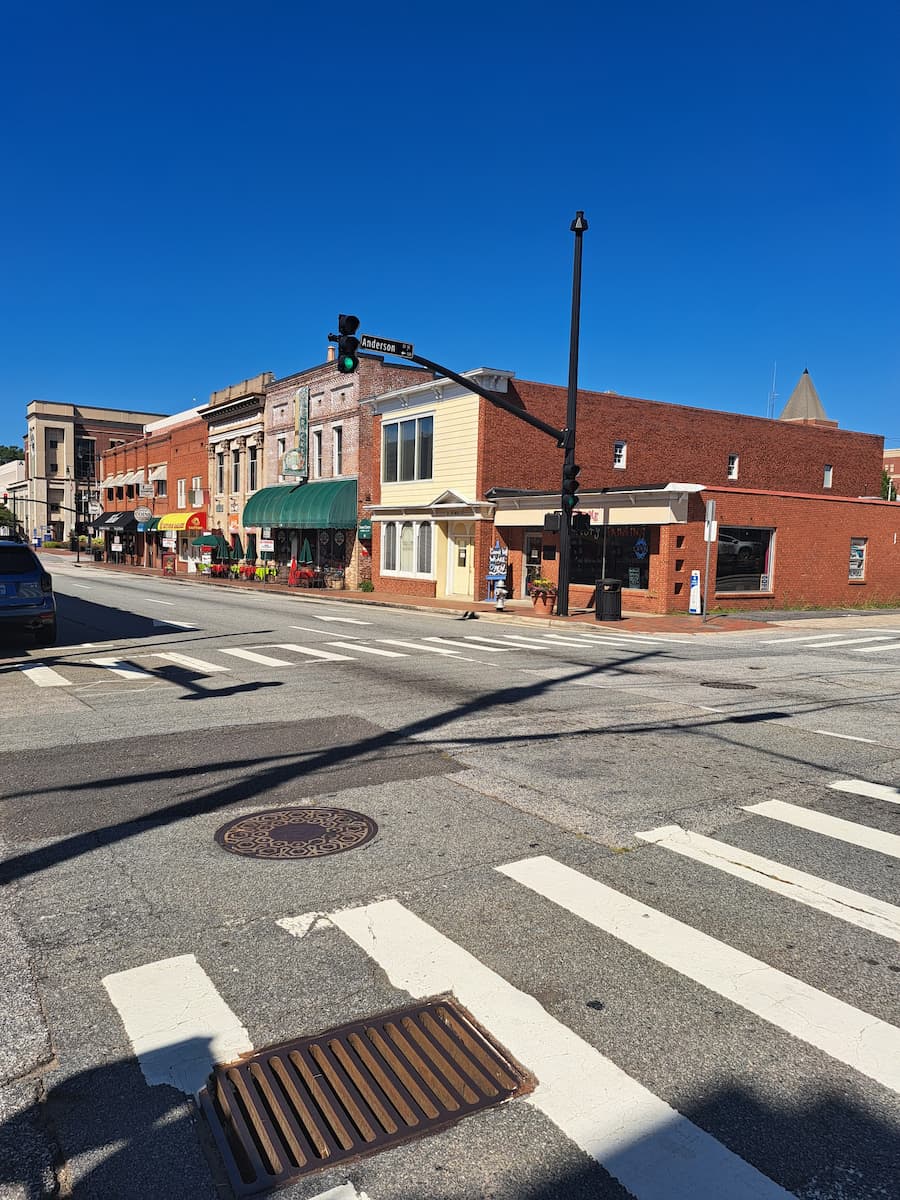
[108,1134]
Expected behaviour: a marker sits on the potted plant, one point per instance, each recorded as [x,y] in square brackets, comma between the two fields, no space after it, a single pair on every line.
[542,592]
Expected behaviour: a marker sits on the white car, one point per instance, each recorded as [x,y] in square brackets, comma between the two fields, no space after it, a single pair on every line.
[733,547]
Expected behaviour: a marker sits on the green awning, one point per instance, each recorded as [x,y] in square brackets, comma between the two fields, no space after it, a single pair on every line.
[209,539]
[327,504]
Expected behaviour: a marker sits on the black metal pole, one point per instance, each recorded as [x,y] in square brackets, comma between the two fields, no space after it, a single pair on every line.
[578,226]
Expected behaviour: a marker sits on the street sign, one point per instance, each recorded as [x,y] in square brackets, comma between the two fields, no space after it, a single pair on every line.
[142,514]
[95,508]
[368,341]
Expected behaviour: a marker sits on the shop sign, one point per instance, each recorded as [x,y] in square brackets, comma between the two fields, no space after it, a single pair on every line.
[143,514]
[364,531]
[294,463]
[266,545]
[267,531]
[497,562]
[145,489]
[117,544]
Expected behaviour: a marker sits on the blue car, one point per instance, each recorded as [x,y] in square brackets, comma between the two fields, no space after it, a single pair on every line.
[26,594]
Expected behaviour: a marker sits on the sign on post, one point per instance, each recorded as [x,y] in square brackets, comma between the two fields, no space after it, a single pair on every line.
[368,341]
[95,508]
[695,593]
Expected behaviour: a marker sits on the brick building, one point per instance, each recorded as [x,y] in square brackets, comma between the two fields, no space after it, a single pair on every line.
[320,416]
[792,525]
[891,464]
[164,471]
[63,447]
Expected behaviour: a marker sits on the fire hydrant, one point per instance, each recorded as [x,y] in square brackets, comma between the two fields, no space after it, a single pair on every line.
[500,598]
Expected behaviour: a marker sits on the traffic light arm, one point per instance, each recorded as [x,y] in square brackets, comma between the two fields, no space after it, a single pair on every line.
[561,436]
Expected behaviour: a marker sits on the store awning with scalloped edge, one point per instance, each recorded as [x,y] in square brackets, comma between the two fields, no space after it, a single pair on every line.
[325,504]
[183,520]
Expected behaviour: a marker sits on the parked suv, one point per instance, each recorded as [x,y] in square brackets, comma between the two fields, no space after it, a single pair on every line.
[26,594]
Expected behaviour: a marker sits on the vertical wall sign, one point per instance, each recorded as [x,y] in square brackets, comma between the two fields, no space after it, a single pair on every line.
[296,461]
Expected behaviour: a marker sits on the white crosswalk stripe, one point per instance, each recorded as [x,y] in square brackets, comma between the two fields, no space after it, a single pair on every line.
[254,656]
[859,787]
[312,652]
[119,666]
[856,908]
[855,1038]
[848,641]
[468,645]
[418,646]
[655,1152]
[360,649]
[45,676]
[833,827]
[193,664]
[876,649]
[340,620]
[177,1022]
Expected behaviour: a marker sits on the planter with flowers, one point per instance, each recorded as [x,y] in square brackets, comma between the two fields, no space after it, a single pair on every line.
[543,593]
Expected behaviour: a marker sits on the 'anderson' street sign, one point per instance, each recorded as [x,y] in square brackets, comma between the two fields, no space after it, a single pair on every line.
[368,341]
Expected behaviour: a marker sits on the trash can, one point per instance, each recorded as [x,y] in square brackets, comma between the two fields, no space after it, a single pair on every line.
[98,556]
[609,600]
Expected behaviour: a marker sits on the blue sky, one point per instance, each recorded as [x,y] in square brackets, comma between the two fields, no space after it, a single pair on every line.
[193,192]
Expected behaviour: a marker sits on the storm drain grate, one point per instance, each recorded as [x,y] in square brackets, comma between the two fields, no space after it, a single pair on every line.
[283,1113]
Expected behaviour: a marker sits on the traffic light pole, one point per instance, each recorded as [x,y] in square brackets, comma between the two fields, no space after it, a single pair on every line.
[579,225]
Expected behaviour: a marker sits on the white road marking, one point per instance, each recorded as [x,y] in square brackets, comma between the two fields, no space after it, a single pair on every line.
[82,587]
[521,640]
[856,1038]
[325,655]
[168,603]
[468,645]
[654,1151]
[309,629]
[45,676]
[812,637]
[859,787]
[251,656]
[419,646]
[847,737]
[194,664]
[875,649]
[180,624]
[639,637]
[854,907]
[850,641]
[177,1022]
[342,620]
[833,827]
[346,1191]
[360,649]
[119,666]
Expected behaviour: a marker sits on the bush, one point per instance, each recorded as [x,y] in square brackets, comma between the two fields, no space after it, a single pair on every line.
[366,585]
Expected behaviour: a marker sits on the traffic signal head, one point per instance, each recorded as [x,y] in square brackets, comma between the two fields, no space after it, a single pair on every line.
[348,344]
[570,486]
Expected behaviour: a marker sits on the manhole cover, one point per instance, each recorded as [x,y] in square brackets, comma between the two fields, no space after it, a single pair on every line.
[732,687]
[283,1113]
[284,833]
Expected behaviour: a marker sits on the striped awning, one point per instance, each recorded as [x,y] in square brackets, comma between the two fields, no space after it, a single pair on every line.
[326,504]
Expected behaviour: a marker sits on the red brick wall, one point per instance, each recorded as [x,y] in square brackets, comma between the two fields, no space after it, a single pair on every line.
[671,443]
[812,548]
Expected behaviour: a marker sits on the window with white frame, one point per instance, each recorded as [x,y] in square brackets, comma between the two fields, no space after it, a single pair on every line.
[197,497]
[407,548]
[620,454]
[827,475]
[235,470]
[337,450]
[252,478]
[858,559]
[220,472]
[407,450]
[317,454]
[182,493]
[162,487]
[733,461]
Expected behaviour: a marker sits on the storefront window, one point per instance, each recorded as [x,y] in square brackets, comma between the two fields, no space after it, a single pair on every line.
[858,559]
[744,560]
[627,557]
[407,548]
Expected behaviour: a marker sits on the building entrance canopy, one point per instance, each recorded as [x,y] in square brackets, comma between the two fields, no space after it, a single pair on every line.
[328,504]
[183,520]
[118,521]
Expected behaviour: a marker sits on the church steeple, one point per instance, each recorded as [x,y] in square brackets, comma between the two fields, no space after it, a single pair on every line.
[805,405]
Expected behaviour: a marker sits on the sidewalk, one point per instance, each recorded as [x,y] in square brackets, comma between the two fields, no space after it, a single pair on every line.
[483,609]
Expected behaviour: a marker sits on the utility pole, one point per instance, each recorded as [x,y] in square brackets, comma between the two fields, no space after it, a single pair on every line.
[569,496]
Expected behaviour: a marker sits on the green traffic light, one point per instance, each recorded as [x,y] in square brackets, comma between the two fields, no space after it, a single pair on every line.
[348,364]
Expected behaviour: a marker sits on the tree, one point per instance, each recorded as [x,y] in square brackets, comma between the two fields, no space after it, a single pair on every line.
[11,454]
[7,518]
[888,491]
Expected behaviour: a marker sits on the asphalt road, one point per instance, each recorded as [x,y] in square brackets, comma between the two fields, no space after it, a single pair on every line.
[661,870]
